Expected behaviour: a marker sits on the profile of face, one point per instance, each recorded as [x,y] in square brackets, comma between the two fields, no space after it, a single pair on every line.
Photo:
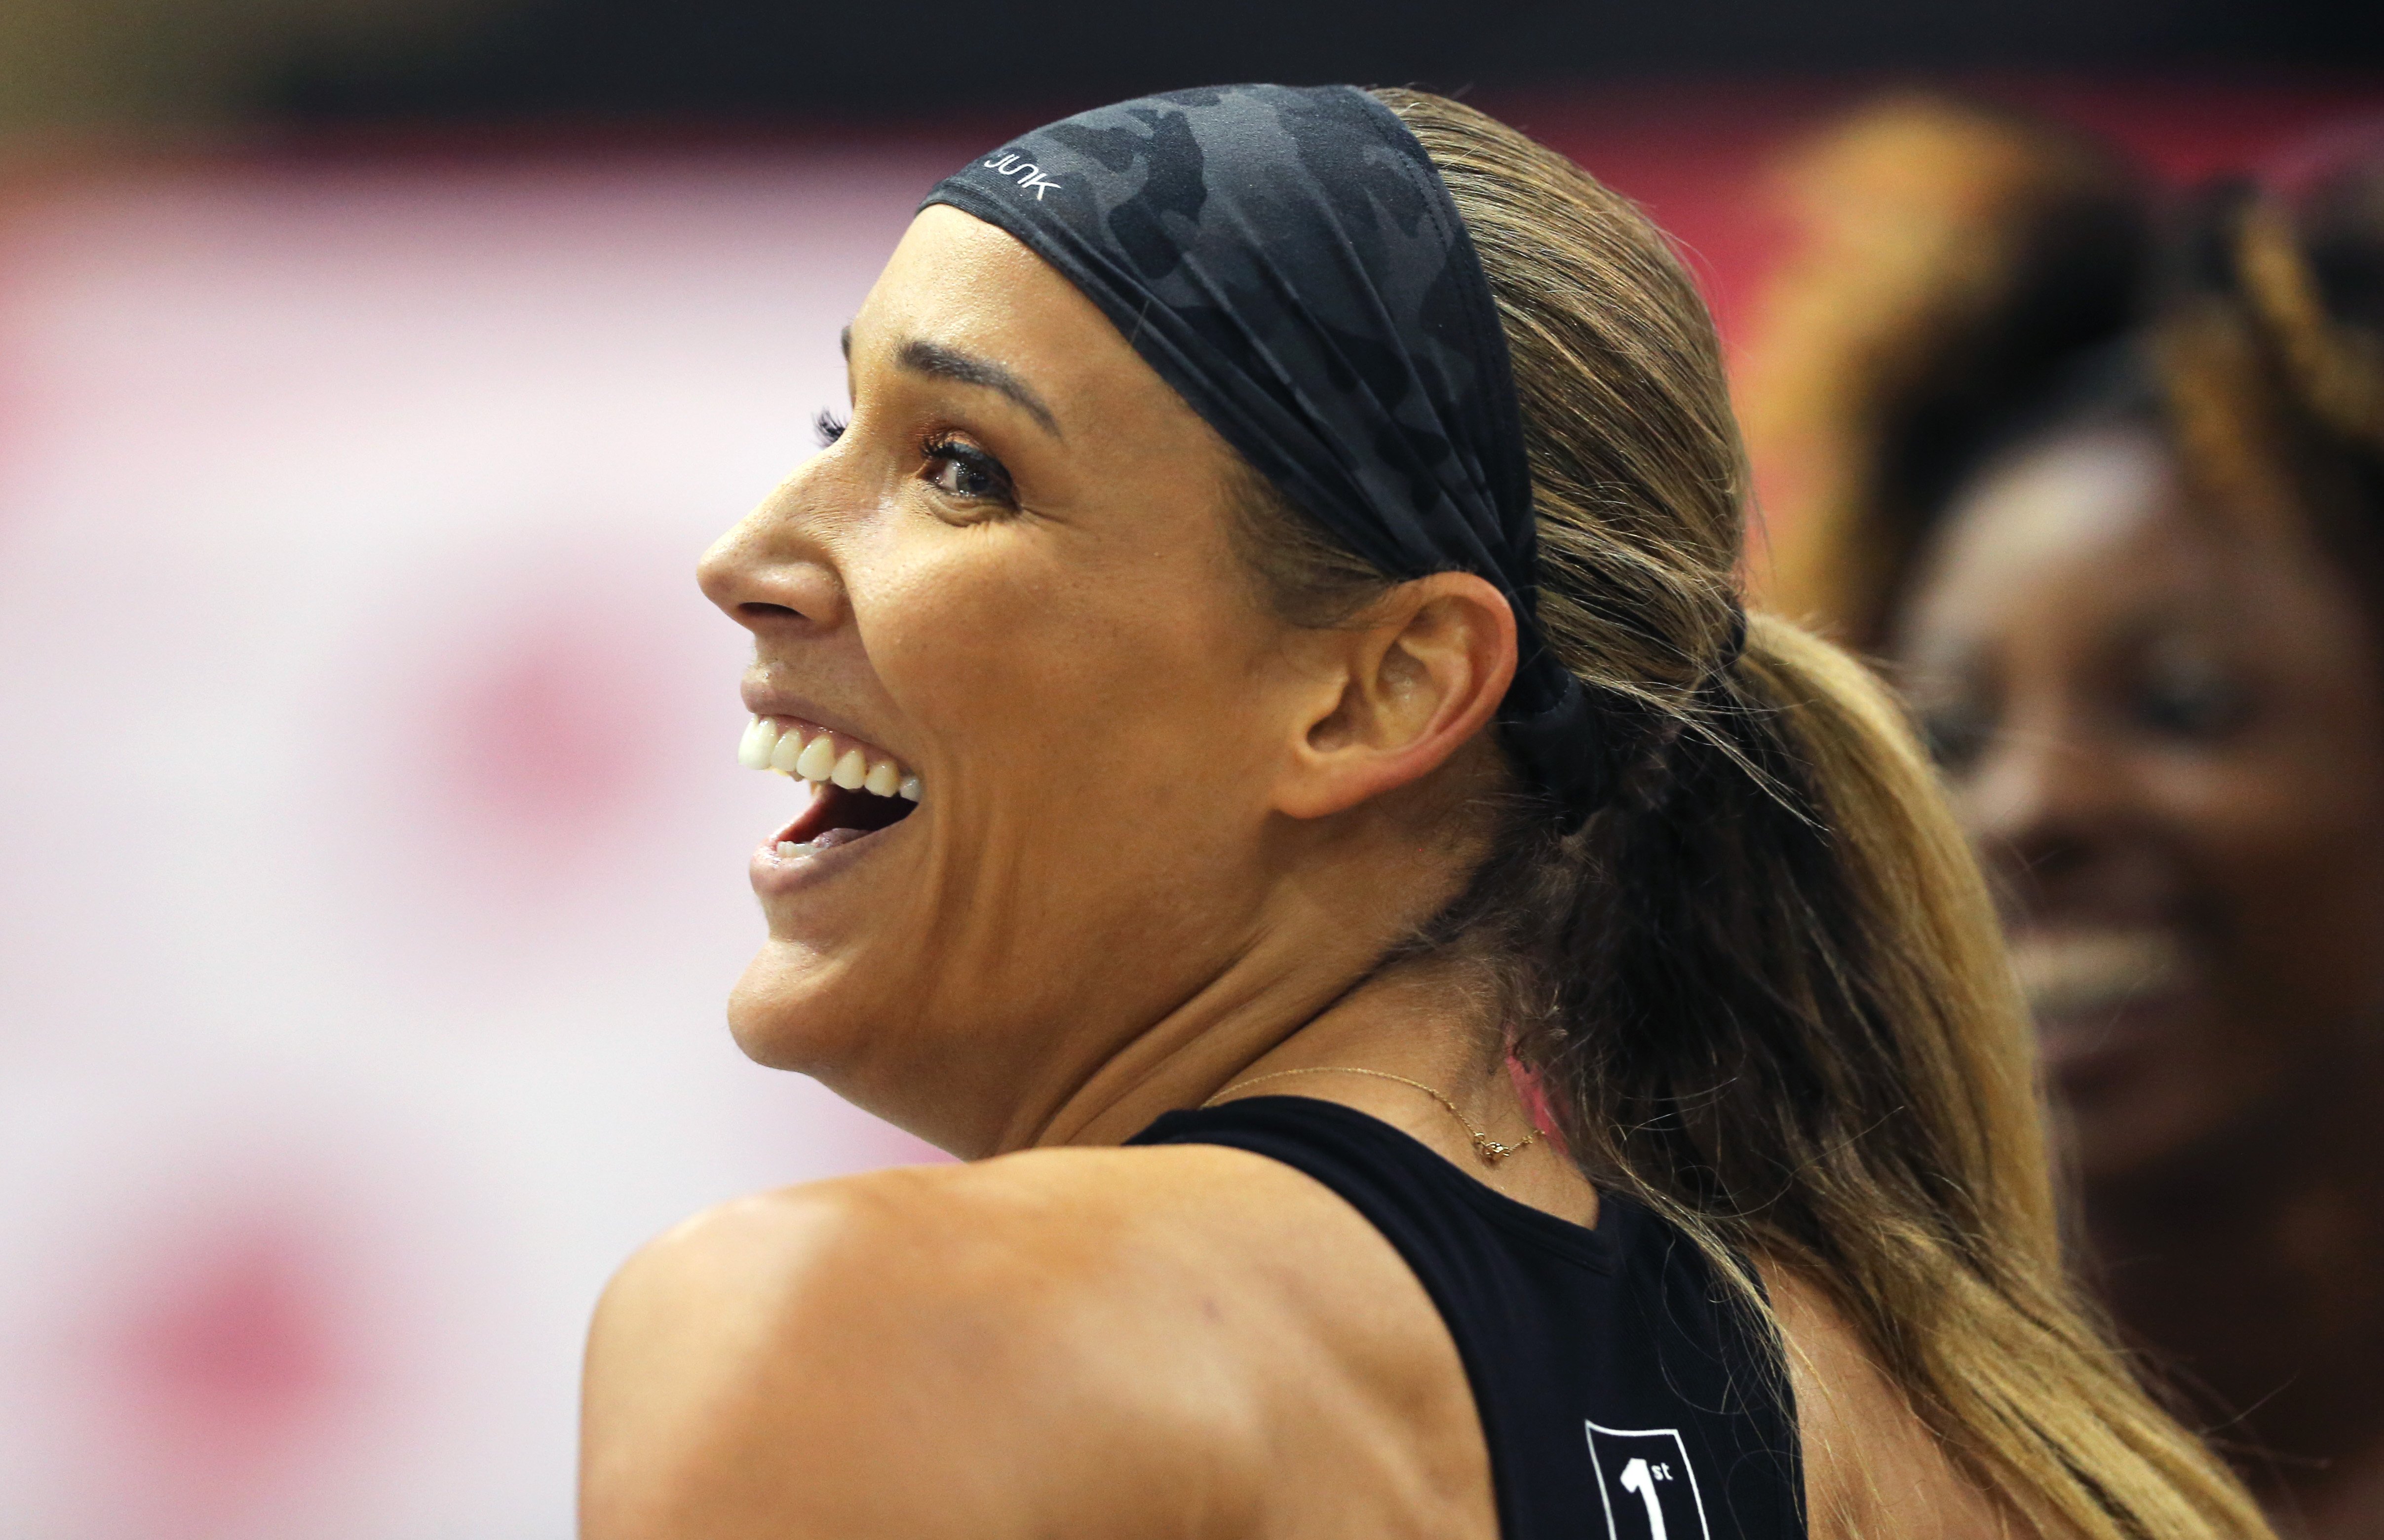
[1009,580]
[2163,725]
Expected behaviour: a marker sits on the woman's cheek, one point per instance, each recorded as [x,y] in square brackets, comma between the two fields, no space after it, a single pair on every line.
[944,614]
[2291,845]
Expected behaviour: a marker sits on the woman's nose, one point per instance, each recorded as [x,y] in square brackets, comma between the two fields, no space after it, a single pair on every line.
[772,572]
[2043,798]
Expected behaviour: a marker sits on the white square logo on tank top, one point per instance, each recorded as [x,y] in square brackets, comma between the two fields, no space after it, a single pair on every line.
[1647,1485]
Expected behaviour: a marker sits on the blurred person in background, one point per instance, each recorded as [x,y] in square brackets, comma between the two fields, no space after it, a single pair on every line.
[2105,484]
[1265,673]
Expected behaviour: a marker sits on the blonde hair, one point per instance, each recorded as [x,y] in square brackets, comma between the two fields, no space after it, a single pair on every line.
[1764,989]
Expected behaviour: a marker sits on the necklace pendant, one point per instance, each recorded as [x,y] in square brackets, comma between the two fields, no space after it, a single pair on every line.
[1492,1150]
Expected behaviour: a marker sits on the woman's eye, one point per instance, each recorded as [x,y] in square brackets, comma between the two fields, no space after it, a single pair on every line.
[2189,696]
[963,470]
[2200,707]
[1957,733]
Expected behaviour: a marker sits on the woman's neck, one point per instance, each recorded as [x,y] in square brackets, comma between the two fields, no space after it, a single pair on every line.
[1393,1045]
[2251,1275]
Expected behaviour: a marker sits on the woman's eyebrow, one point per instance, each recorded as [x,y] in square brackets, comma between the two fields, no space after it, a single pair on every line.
[934,358]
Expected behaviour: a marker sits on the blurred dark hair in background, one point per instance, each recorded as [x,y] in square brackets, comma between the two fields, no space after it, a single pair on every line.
[1957,266]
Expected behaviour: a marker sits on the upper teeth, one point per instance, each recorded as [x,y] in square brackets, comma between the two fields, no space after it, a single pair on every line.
[816,754]
[2074,972]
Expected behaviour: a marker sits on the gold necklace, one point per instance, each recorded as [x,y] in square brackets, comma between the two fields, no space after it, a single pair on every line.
[1489,1149]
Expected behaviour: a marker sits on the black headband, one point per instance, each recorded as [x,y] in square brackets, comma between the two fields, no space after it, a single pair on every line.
[1289,260]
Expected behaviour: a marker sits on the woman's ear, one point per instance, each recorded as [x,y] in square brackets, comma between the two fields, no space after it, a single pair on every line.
[1419,676]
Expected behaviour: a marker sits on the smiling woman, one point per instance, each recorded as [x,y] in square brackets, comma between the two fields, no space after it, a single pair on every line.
[1457,1028]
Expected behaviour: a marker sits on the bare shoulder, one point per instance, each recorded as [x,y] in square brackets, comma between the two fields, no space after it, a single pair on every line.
[1027,1345]
[1872,1466]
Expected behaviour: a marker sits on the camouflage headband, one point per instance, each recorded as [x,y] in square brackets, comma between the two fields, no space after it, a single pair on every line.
[1289,260]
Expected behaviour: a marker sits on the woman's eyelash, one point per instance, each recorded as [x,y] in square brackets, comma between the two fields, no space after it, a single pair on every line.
[967,462]
[967,472]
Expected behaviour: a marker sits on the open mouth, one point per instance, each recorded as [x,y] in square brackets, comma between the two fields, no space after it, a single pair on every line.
[857,789]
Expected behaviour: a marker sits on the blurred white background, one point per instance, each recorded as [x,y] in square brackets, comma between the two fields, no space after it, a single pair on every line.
[374,847]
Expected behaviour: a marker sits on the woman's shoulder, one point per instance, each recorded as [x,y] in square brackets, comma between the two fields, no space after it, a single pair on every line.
[935,1229]
[965,1236]
[1043,1337]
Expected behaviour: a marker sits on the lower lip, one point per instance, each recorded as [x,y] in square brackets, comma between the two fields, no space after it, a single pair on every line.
[2084,1047]
[775,876]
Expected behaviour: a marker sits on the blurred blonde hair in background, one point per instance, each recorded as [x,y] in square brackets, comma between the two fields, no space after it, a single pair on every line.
[1944,254]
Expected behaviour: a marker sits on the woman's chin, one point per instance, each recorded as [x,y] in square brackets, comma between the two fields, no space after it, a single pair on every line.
[824,900]
[783,1014]
[2142,1089]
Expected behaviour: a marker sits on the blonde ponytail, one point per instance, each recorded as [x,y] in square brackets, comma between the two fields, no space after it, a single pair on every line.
[1943,1242]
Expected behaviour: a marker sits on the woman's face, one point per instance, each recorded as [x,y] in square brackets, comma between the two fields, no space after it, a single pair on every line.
[2163,727]
[1009,577]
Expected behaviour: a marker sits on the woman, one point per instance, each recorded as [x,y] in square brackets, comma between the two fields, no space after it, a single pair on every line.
[1284,542]
[2131,579]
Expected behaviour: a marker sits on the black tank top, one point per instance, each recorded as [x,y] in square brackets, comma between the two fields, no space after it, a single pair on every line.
[1621,1394]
